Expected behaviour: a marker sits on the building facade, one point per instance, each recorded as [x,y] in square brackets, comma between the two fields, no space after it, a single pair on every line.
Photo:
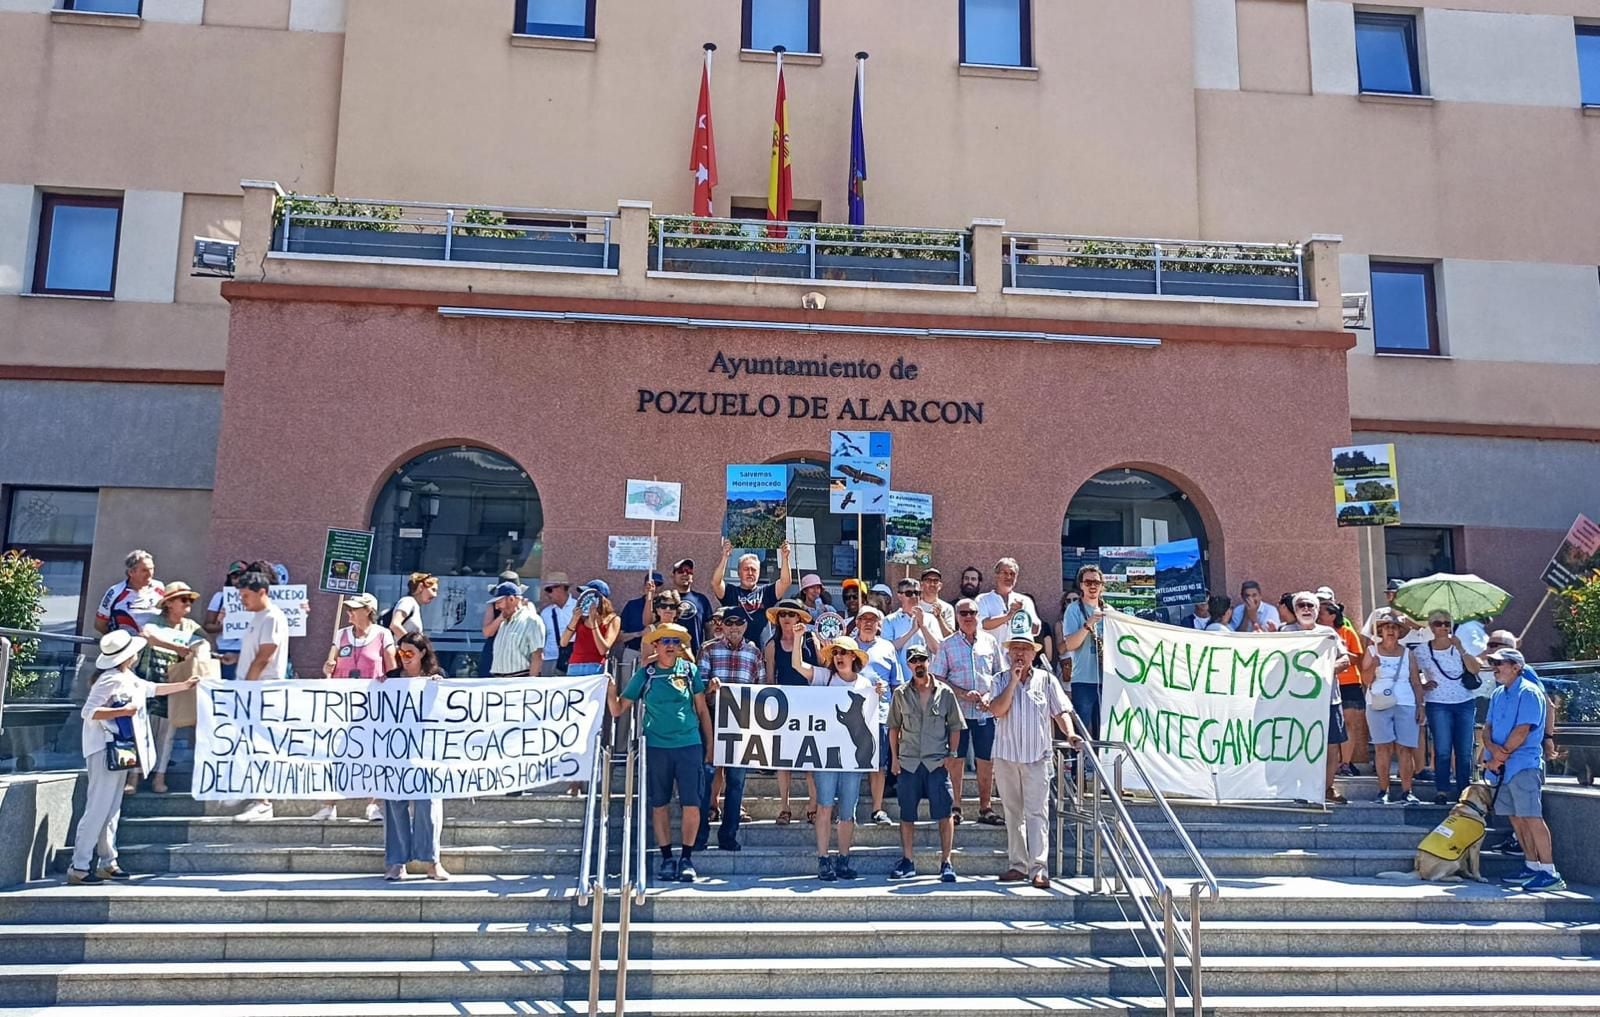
[1449,144]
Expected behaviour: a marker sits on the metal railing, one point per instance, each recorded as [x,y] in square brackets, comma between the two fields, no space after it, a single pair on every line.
[633,876]
[1093,800]
[1158,267]
[803,250]
[431,231]
[66,673]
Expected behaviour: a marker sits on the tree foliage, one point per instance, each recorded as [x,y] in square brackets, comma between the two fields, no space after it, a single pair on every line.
[22,593]
[1577,617]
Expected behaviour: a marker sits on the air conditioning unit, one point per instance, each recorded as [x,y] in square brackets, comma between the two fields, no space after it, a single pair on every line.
[1355,310]
[213,258]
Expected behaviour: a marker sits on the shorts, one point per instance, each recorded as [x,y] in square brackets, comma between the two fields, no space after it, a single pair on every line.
[1521,796]
[1396,724]
[1337,733]
[841,787]
[980,735]
[684,767]
[923,783]
[1352,696]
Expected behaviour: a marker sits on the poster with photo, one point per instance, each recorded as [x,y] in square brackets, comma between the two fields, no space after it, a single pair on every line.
[1180,573]
[758,505]
[1366,485]
[654,500]
[1130,574]
[908,528]
[1578,555]
[858,470]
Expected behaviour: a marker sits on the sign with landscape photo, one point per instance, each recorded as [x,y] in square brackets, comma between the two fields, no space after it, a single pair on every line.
[908,529]
[758,505]
[1578,555]
[1130,574]
[1180,574]
[1366,486]
[858,471]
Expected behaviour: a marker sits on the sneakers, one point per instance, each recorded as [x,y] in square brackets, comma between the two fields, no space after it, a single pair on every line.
[1383,796]
[374,812]
[1425,775]
[1511,846]
[686,871]
[1519,878]
[325,813]
[1348,770]
[825,869]
[1410,799]
[905,868]
[1543,881]
[882,818]
[255,812]
[668,872]
[844,870]
[947,873]
[1441,799]
[77,878]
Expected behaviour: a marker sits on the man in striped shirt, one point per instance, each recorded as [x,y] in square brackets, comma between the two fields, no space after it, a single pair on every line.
[1026,702]
[968,662]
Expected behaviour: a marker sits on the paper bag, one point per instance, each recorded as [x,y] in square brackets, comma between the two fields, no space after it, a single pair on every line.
[200,664]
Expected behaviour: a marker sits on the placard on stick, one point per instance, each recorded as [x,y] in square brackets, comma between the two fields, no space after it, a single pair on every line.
[1578,555]
[1366,486]
[655,500]
[346,560]
[758,505]
[908,528]
[858,470]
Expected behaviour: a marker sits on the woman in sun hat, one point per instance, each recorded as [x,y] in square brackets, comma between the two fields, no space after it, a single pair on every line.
[362,649]
[846,659]
[114,718]
[172,636]
[788,619]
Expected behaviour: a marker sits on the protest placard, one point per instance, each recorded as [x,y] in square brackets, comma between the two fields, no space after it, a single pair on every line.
[1130,575]
[655,500]
[908,529]
[291,600]
[758,504]
[796,728]
[346,560]
[1220,714]
[631,554]
[1180,574]
[403,738]
[858,468]
[1366,485]
[1578,555]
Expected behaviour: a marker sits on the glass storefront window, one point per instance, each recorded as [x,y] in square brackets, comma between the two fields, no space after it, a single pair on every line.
[1411,552]
[465,515]
[1128,508]
[40,516]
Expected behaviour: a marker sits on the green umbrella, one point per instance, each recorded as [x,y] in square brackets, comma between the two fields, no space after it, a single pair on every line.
[1463,596]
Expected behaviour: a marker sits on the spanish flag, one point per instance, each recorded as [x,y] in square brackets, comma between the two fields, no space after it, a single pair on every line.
[780,182]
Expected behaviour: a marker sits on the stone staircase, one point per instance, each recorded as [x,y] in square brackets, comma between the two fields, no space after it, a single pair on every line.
[289,917]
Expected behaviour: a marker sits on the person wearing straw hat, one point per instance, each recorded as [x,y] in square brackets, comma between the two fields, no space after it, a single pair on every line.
[558,611]
[1026,702]
[1394,705]
[116,730]
[171,636]
[362,649]
[677,733]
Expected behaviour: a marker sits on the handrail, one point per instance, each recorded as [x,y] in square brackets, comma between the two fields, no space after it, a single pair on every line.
[632,883]
[1118,840]
[592,878]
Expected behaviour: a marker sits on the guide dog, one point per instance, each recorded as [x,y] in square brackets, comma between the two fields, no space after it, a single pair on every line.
[1451,849]
[865,738]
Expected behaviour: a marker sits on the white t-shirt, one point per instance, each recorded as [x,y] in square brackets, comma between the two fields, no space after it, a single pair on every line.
[409,613]
[223,645]
[1266,615]
[267,626]
[992,605]
[1214,627]
[1398,671]
[1445,667]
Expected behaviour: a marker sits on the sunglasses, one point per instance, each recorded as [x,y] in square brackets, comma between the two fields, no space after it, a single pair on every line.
[663,605]
[908,593]
[669,641]
[1438,624]
[1092,582]
[407,654]
[1499,646]
[733,621]
[967,614]
[1303,606]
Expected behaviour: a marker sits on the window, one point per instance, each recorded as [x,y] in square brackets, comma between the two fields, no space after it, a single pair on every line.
[57,528]
[791,24]
[103,6]
[998,32]
[77,245]
[1386,53]
[1589,63]
[571,19]
[1405,318]
[1411,552]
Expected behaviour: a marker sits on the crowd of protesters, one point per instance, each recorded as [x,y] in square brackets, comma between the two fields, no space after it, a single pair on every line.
[983,676]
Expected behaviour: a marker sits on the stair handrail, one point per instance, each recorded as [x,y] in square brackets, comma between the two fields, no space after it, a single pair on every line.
[634,878]
[596,849]
[1117,838]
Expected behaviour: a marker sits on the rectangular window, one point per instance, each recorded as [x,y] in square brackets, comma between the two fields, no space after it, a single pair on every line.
[997,32]
[569,19]
[77,252]
[1589,63]
[103,6]
[791,24]
[57,528]
[1386,53]
[1411,552]
[1405,318]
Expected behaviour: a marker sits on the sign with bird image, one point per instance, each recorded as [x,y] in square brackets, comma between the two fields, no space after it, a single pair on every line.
[858,468]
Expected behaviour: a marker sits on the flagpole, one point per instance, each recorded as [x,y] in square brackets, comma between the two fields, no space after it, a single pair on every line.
[861,81]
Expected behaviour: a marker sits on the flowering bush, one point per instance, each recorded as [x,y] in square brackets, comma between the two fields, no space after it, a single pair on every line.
[1577,613]
[22,595]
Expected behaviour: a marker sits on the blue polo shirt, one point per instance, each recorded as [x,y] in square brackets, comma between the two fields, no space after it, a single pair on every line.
[1510,707]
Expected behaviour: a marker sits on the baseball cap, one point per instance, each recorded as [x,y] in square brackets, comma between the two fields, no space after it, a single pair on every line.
[683,565]
[852,584]
[869,609]
[599,586]
[932,573]
[509,590]
[731,614]
[657,578]
[1507,655]
[1395,584]
[365,600]
[1326,593]
[882,588]
[917,653]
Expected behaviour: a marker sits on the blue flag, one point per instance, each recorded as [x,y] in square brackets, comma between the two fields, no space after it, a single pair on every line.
[858,161]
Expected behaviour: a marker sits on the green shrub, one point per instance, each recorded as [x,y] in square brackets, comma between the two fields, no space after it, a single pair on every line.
[1577,617]
[306,212]
[22,594]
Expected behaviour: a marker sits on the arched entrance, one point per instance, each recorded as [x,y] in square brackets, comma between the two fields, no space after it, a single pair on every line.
[465,514]
[822,542]
[1147,519]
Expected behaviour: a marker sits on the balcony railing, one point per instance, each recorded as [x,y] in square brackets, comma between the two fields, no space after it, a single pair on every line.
[819,251]
[1190,268]
[494,234]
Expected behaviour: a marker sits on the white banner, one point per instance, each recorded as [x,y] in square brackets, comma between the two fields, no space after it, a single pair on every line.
[1220,714]
[796,728]
[291,600]
[402,738]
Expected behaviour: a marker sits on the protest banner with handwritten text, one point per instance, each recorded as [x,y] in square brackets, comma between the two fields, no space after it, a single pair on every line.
[399,739]
[1220,714]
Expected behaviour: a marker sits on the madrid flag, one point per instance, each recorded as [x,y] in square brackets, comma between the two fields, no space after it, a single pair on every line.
[703,152]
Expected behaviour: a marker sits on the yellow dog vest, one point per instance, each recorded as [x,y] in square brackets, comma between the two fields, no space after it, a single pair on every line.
[1451,838]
